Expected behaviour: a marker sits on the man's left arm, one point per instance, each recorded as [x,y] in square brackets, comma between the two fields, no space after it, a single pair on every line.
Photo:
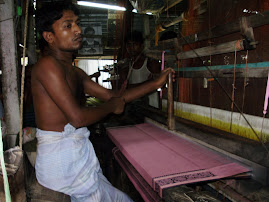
[94,89]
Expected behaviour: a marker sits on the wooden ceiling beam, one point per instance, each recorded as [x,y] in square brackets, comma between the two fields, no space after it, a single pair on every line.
[170,4]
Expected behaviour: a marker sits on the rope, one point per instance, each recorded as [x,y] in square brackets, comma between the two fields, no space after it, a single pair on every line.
[245,84]
[23,71]
[233,92]
[210,58]
[6,185]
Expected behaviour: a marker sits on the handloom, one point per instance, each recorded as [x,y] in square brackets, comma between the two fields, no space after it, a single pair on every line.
[165,160]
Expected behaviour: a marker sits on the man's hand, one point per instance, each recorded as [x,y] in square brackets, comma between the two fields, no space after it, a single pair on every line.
[162,79]
[117,104]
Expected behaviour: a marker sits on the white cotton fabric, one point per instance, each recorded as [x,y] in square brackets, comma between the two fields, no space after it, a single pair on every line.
[139,75]
[66,162]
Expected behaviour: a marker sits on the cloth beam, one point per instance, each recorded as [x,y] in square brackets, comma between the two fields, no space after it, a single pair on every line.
[165,160]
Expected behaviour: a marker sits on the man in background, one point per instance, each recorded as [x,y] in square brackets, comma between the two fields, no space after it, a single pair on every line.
[140,70]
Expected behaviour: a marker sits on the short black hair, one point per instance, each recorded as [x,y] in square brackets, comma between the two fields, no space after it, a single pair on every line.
[49,14]
[135,36]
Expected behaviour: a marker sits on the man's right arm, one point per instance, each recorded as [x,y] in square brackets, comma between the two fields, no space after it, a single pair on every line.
[52,77]
[147,87]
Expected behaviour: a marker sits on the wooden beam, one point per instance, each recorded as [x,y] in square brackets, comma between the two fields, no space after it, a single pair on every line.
[213,50]
[171,3]
[157,54]
[256,20]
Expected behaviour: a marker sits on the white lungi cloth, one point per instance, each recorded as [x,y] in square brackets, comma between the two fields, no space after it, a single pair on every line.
[66,162]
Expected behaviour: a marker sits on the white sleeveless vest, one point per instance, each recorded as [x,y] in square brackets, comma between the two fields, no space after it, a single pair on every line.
[139,75]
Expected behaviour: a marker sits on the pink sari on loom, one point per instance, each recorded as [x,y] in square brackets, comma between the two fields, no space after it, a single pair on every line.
[165,160]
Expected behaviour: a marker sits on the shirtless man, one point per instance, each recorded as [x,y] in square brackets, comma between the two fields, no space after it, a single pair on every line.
[66,161]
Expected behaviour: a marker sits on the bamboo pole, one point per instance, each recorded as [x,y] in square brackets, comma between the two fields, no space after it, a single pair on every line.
[23,72]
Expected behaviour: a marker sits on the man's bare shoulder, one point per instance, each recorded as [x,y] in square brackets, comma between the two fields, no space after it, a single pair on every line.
[46,65]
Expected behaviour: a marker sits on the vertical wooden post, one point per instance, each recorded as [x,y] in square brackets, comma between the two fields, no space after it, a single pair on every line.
[170,104]
[8,55]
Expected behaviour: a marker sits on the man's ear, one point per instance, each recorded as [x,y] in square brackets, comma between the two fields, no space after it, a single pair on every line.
[48,36]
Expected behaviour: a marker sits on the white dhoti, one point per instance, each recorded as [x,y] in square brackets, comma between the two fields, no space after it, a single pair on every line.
[66,162]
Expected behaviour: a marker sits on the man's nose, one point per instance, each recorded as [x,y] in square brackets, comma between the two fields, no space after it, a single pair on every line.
[77,29]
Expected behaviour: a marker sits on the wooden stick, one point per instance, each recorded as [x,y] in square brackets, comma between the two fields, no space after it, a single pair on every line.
[171,117]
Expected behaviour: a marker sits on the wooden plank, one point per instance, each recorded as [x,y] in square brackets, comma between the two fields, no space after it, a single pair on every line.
[228,73]
[256,20]
[213,50]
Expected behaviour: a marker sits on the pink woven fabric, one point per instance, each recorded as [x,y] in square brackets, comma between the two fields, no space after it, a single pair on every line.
[165,160]
[146,192]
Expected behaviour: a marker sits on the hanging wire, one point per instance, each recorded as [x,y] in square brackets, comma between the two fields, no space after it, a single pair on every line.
[23,71]
[245,83]
[177,91]
[223,89]
[210,58]
[233,91]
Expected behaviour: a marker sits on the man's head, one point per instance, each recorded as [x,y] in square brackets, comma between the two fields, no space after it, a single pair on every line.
[134,43]
[48,15]
[89,31]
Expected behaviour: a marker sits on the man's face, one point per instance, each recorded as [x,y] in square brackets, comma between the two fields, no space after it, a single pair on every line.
[89,38]
[67,32]
[134,48]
